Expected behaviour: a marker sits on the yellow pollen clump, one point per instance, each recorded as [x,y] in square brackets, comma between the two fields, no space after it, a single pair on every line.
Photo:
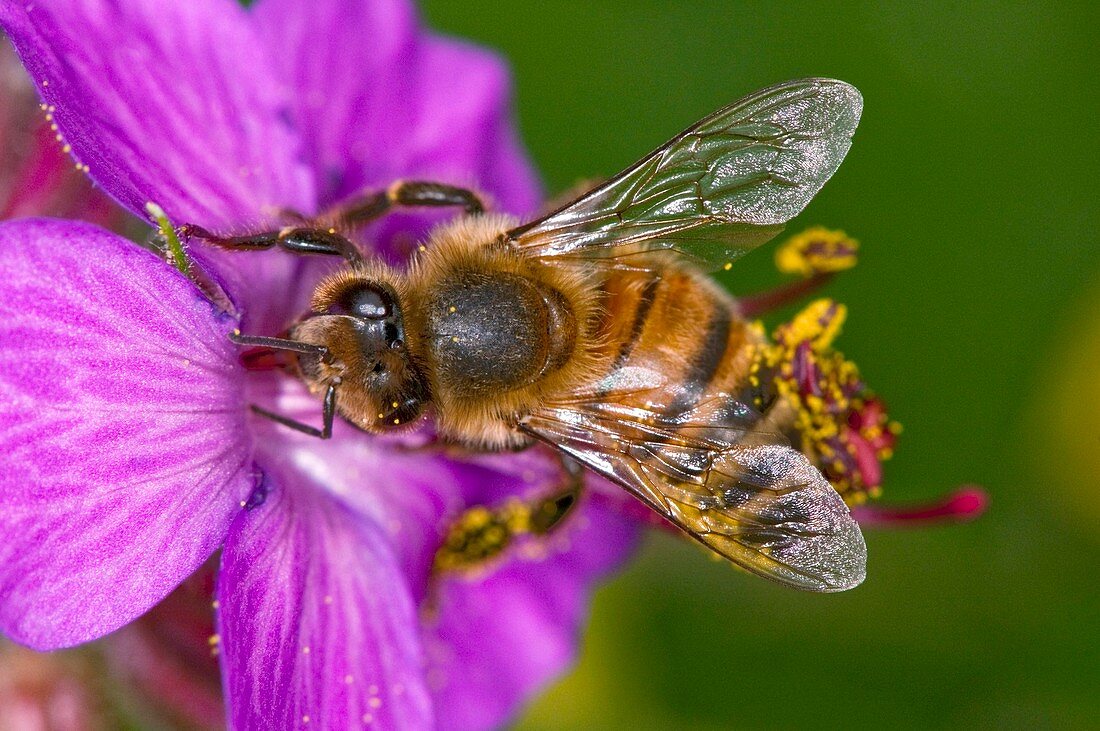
[819,323]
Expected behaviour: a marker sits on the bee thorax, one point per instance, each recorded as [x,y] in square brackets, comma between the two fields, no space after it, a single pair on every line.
[497,333]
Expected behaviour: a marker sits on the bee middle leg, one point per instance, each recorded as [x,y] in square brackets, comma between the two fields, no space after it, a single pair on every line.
[403,193]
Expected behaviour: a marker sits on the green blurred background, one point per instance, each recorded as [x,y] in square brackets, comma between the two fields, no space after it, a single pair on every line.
[975,311]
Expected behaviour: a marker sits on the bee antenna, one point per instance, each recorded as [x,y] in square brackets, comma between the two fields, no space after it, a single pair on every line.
[281,344]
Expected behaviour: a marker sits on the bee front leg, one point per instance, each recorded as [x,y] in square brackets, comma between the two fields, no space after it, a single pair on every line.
[328,414]
[328,409]
[295,239]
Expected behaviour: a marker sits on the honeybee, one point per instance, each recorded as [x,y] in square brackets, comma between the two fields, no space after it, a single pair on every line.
[596,330]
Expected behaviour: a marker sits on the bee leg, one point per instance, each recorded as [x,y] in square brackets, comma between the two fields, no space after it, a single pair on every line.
[403,193]
[480,534]
[549,513]
[328,413]
[297,240]
[329,407]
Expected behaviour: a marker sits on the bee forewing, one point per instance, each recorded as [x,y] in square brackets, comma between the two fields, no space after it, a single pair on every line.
[718,189]
[743,493]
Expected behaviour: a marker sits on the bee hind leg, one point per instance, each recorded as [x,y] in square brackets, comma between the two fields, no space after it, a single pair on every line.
[547,514]
[480,534]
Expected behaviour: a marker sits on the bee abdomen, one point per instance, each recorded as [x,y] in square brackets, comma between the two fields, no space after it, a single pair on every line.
[494,333]
[677,323]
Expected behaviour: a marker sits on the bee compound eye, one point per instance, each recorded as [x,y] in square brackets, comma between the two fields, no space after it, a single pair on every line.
[372,303]
[366,301]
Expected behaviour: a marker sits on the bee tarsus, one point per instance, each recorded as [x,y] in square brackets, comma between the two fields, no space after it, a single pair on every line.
[327,414]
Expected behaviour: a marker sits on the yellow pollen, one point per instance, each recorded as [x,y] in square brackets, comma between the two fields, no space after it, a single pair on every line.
[215,604]
[396,421]
[49,117]
[728,265]
[394,404]
[332,230]
[305,650]
[213,640]
[375,703]
[817,250]
[305,719]
[454,339]
[452,308]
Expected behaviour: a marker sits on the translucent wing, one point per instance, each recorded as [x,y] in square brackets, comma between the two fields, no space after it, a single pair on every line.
[717,190]
[743,493]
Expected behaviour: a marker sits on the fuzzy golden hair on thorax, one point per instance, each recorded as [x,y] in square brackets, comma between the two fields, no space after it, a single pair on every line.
[475,249]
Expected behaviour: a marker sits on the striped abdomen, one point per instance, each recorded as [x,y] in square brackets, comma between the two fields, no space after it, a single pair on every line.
[680,324]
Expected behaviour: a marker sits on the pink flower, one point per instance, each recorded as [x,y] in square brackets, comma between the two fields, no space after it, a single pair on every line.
[130,452]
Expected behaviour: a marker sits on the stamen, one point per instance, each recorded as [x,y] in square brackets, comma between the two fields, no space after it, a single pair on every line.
[171,240]
[816,254]
[963,505]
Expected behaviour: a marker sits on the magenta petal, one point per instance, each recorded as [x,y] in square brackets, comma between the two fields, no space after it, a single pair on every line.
[171,102]
[497,639]
[460,132]
[376,100]
[351,65]
[317,625]
[464,131]
[123,438]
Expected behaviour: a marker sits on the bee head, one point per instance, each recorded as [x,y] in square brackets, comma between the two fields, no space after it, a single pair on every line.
[359,320]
